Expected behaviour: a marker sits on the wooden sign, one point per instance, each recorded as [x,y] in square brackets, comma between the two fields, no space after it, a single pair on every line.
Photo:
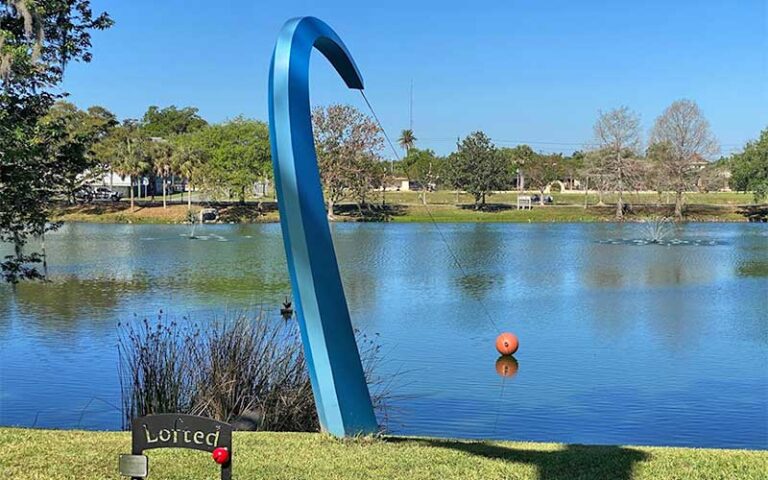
[177,431]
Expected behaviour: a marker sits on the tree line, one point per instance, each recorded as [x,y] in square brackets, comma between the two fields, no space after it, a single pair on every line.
[224,159]
[227,159]
[675,158]
[49,148]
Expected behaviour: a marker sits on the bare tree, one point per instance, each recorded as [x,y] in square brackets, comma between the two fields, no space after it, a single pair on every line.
[596,172]
[685,133]
[346,140]
[617,133]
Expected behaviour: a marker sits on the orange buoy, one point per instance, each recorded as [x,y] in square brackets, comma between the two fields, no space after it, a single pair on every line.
[507,366]
[507,343]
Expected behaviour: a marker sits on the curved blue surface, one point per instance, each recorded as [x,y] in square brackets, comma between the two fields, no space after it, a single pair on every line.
[338,381]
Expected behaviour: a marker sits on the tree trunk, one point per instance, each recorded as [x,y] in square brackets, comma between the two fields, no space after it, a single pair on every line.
[45,256]
[330,210]
[384,194]
[131,194]
[423,197]
[165,205]
[678,206]
[620,207]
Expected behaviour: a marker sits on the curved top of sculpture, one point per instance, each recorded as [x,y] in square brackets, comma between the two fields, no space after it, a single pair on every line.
[296,40]
[338,381]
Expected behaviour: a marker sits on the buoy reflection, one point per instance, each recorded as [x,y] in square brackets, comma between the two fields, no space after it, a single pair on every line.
[507,366]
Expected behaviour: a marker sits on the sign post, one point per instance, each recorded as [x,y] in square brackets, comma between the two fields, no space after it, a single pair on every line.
[177,431]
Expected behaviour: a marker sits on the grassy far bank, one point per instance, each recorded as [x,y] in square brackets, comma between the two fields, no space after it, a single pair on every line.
[152,213]
[47,454]
[443,207]
[576,198]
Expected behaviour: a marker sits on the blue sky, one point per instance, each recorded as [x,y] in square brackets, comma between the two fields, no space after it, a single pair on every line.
[523,71]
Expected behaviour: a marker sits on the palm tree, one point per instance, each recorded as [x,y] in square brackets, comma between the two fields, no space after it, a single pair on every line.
[162,158]
[186,160]
[125,149]
[407,140]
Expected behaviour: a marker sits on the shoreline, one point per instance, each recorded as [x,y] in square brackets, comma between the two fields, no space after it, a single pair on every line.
[401,213]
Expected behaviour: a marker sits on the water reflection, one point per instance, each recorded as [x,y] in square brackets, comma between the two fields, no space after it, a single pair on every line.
[753,268]
[476,286]
[594,317]
[507,366]
[68,299]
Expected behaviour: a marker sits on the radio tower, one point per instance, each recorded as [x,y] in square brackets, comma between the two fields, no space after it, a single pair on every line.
[411,108]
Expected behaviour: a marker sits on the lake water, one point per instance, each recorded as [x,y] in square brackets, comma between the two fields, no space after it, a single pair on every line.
[620,343]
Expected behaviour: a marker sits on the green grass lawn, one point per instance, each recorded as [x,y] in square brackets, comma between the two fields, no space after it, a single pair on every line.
[446,197]
[559,213]
[61,455]
[568,207]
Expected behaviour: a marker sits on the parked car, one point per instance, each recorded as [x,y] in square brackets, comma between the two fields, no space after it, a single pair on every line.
[84,194]
[104,193]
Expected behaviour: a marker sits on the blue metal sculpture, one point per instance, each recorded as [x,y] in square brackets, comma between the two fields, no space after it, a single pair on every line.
[338,382]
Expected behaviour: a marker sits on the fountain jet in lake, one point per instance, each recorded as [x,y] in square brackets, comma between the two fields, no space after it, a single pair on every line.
[659,231]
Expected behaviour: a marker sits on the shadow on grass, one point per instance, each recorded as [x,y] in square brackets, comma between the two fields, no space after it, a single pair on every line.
[573,462]
[244,213]
[488,207]
[369,212]
[755,213]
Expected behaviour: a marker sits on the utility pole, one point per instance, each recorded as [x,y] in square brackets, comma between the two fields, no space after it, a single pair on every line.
[410,124]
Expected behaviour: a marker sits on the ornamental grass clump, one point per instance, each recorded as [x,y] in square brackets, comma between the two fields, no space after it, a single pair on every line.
[249,371]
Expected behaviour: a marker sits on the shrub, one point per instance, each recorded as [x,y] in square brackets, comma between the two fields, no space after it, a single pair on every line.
[247,370]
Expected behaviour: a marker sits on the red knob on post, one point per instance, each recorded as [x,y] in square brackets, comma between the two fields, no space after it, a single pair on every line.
[220,455]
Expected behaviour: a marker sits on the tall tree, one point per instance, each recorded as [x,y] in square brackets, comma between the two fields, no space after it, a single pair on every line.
[347,142]
[169,121]
[617,133]
[685,133]
[478,168]
[655,175]
[595,173]
[74,149]
[126,151]
[542,171]
[422,166]
[407,140]
[236,154]
[516,159]
[188,161]
[749,169]
[369,174]
[37,40]
[161,153]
